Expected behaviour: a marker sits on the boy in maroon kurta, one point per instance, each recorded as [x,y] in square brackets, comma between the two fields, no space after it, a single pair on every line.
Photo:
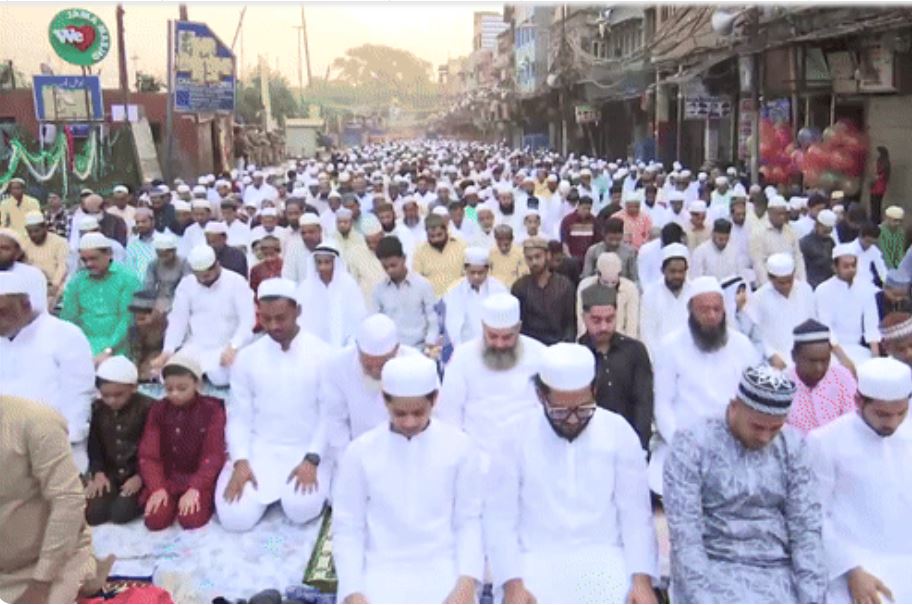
[182,450]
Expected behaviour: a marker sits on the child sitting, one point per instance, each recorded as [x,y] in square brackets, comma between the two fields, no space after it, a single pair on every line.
[118,419]
[182,450]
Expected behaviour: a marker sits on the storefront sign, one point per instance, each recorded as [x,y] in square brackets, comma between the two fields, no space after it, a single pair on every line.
[585,114]
[204,79]
[79,37]
[706,107]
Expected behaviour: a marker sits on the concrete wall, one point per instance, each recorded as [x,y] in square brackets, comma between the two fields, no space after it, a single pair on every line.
[889,121]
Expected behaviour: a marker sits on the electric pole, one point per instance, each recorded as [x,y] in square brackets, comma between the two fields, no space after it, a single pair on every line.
[306,47]
[122,60]
[299,30]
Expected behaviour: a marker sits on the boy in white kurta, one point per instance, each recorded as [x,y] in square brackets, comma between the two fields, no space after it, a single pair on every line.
[862,463]
[568,517]
[273,428]
[407,501]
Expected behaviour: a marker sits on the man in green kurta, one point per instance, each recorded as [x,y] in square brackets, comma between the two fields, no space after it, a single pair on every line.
[97,298]
[892,241]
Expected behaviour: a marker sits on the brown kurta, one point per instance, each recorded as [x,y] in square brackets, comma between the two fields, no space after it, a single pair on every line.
[43,535]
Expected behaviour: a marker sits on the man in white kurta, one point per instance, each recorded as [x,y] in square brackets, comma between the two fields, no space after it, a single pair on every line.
[696,370]
[46,359]
[273,422]
[663,308]
[718,256]
[463,300]
[351,401]
[487,382]
[778,306]
[407,501]
[212,316]
[567,516]
[862,463]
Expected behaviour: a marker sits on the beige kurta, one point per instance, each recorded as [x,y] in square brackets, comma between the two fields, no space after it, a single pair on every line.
[42,526]
[627,319]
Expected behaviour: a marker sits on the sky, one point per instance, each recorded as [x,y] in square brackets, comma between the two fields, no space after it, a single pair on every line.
[434,32]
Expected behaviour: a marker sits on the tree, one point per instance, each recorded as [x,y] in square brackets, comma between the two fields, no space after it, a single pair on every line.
[379,74]
[283,102]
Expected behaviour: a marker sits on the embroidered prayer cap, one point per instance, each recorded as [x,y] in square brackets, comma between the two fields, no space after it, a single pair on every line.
[844,250]
[344,213]
[94,241]
[12,283]
[164,241]
[896,326]
[183,189]
[34,217]
[277,287]
[477,256]
[201,203]
[675,250]
[567,366]
[88,223]
[780,264]
[180,360]
[598,295]
[885,379]
[535,243]
[697,206]
[182,206]
[894,212]
[216,228]
[810,331]
[705,284]
[409,376]
[500,311]
[199,190]
[327,247]
[201,258]
[309,218]
[118,369]
[827,218]
[120,189]
[377,335]
[766,390]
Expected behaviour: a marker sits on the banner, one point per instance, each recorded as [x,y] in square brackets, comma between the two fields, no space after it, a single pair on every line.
[79,37]
[204,78]
[68,98]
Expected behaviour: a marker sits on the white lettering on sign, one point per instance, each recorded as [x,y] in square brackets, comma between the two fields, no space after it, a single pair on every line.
[68,36]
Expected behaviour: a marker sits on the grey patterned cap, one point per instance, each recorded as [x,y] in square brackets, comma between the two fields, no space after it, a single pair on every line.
[766,390]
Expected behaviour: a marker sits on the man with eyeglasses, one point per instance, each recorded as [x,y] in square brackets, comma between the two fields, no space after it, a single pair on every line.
[568,517]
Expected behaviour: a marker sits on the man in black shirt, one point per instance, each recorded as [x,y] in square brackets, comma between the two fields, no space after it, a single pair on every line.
[228,257]
[547,300]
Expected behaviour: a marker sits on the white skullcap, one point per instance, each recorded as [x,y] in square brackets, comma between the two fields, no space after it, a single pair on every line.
[440,211]
[564,187]
[309,218]
[732,171]
[12,283]
[721,180]
[895,213]
[88,223]
[183,189]
[258,174]
[552,178]
[201,180]
[636,197]
[270,211]
[567,366]
[327,247]
[161,190]
[797,202]
[471,190]
[118,369]
[738,190]
[502,188]
[826,217]
[477,256]
[780,264]
[705,284]
[216,228]
[377,335]
[184,361]
[697,206]
[686,174]
[344,177]
[201,203]
[246,180]
[409,376]
[94,241]
[201,258]
[199,190]
[164,241]
[277,287]
[35,217]
[837,195]
[675,250]
[370,225]
[299,192]
[585,172]
[623,172]
[884,379]
[120,189]
[182,206]
[335,194]
[838,208]
[676,196]
[222,183]
[702,176]
[844,250]
[500,311]
[344,213]
[778,202]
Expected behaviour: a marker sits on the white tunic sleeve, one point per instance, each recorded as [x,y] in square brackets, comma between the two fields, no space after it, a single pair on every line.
[631,491]
[665,389]
[240,407]
[179,317]
[501,517]
[467,516]
[77,380]
[451,401]
[242,299]
[350,523]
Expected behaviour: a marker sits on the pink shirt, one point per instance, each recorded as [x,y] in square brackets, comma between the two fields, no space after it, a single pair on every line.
[830,398]
[636,228]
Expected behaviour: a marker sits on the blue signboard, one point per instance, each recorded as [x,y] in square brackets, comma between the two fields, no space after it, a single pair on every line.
[68,98]
[204,79]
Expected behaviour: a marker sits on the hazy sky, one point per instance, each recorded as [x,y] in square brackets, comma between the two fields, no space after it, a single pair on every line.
[433,32]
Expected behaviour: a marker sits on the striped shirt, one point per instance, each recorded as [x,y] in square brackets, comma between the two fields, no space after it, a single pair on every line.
[140,253]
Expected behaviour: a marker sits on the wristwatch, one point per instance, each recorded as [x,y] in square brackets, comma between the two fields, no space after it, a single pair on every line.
[312,458]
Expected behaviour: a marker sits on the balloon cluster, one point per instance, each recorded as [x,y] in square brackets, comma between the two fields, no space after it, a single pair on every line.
[834,159]
[776,148]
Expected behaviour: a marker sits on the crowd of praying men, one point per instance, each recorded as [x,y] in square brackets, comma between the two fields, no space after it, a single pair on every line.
[495,365]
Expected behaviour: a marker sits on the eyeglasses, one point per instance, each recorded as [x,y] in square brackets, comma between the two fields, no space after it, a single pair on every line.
[561,414]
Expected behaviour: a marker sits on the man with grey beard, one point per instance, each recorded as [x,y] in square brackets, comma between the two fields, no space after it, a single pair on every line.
[488,380]
[697,368]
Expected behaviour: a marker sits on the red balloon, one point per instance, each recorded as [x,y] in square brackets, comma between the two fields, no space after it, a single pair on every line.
[790,148]
[766,150]
[842,161]
[797,158]
[811,177]
[783,137]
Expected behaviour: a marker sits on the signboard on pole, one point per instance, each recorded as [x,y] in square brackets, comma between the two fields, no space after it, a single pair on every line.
[204,77]
[68,98]
[706,107]
[79,37]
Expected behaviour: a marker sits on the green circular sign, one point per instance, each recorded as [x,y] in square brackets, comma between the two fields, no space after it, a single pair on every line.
[79,36]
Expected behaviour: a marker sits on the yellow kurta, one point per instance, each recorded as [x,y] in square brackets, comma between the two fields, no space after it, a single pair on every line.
[43,532]
[508,267]
[12,214]
[51,257]
[441,268]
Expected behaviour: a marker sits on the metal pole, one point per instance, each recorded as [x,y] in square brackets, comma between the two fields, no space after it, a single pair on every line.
[755,119]
[169,116]
[122,62]
[306,46]
[299,31]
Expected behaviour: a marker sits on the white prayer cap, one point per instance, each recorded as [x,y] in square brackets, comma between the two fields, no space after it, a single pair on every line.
[675,250]
[838,209]
[270,211]
[344,213]
[377,335]
[246,180]
[676,165]
[409,376]
[201,203]
[309,218]
[705,284]
[552,178]
[118,369]
[299,192]
[88,223]
[837,195]
[780,264]
[755,189]
[676,196]
[94,241]
[334,193]
[502,188]
[797,202]
[844,250]
[201,258]
[826,217]
[327,247]
[370,225]
[181,360]
[216,228]
[721,180]
[635,197]
[470,190]
[12,283]
[698,206]
[161,190]
[344,177]
[182,206]
[440,211]
[686,174]
[277,287]
[738,190]
[34,217]
[567,366]
[120,189]
[884,379]
[732,171]
[199,190]
[585,172]
[477,256]
[500,311]
[702,176]
[164,241]
[778,202]
[258,174]
[183,189]
[895,213]
[620,174]
[564,187]
[222,183]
